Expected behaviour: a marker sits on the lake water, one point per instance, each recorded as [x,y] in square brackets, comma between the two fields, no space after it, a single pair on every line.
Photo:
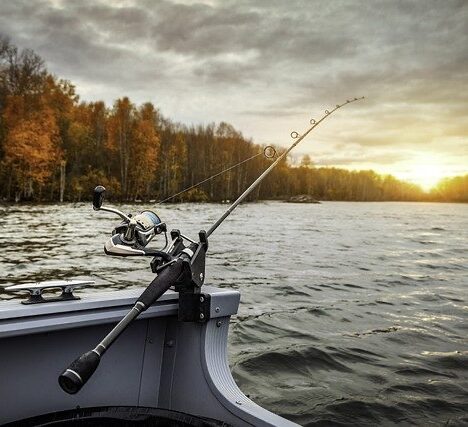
[351,313]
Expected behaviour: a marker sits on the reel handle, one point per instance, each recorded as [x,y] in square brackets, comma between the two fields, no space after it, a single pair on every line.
[98,197]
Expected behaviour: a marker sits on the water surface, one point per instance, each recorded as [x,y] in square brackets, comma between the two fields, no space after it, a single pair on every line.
[351,313]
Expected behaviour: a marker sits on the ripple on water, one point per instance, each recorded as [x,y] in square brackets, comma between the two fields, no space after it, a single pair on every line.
[353,314]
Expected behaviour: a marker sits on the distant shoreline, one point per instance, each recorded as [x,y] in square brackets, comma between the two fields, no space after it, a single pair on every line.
[143,203]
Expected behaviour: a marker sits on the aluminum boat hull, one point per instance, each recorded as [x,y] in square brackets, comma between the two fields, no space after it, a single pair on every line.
[159,362]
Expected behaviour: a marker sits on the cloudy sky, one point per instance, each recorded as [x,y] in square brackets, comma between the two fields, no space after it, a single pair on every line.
[268,66]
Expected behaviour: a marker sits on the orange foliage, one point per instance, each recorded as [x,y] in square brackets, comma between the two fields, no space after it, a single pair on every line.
[132,135]
[32,147]
[119,135]
[144,149]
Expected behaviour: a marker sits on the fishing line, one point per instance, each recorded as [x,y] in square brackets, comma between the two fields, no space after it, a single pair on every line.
[295,135]
[269,152]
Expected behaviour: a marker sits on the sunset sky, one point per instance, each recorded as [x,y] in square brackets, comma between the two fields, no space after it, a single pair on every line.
[267,67]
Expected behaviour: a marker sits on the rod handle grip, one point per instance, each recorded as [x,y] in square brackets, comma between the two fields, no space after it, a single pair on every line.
[79,372]
[163,281]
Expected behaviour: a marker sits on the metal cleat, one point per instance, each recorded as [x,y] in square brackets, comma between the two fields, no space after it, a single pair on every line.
[36,290]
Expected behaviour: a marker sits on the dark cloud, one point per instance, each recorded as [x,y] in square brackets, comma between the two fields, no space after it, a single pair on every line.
[266,65]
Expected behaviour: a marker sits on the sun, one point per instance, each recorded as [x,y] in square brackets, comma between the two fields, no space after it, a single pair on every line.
[427,176]
[425,171]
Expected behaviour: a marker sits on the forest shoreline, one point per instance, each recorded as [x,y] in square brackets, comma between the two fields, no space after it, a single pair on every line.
[7,204]
[55,148]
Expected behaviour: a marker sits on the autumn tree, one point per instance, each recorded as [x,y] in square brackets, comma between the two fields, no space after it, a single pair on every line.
[176,162]
[120,130]
[453,189]
[32,151]
[144,150]
[30,134]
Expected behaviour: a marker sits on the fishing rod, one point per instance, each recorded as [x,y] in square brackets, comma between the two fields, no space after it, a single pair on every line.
[269,152]
[179,264]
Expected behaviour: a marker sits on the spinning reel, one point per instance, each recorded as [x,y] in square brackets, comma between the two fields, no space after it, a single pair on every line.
[133,234]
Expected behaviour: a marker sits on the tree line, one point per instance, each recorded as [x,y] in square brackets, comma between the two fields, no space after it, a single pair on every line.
[54,147]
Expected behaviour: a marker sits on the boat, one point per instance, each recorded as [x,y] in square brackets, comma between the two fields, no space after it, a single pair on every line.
[161,369]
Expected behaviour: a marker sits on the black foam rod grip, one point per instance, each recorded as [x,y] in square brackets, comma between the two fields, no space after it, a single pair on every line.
[163,281]
[78,373]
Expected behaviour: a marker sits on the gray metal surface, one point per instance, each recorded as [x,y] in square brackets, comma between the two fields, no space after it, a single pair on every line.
[158,362]
[104,307]
[201,383]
